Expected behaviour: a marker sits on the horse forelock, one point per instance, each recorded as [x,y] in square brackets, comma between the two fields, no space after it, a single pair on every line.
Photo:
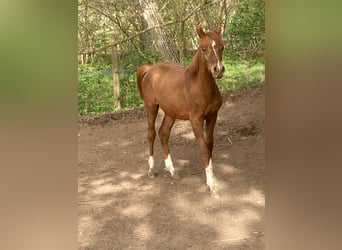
[215,37]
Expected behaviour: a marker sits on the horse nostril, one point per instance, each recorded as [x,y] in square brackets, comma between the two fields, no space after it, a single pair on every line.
[215,69]
[223,68]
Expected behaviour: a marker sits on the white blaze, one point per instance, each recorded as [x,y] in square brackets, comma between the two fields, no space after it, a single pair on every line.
[213,44]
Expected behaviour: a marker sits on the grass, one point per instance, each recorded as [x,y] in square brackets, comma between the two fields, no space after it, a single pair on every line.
[95,92]
[95,84]
[242,73]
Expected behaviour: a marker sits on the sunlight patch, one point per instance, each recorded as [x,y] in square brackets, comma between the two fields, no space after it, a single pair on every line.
[136,176]
[182,162]
[110,188]
[86,233]
[123,174]
[103,144]
[255,197]
[143,231]
[98,182]
[182,127]
[229,104]
[232,225]
[237,227]
[81,189]
[137,210]
[189,136]
[228,169]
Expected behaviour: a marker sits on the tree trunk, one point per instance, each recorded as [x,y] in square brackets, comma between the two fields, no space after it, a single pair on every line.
[163,43]
[116,79]
[182,42]
[145,38]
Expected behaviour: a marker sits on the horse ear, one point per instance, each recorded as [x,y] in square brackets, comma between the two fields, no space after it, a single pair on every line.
[200,31]
[218,29]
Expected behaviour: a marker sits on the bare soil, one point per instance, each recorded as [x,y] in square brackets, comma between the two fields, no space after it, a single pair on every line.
[121,208]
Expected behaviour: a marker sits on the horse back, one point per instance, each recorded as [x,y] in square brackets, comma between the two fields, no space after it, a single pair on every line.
[164,78]
[163,84]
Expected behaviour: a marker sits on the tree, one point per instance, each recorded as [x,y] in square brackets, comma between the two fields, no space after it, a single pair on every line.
[162,40]
[247,29]
[126,34]
[116,78]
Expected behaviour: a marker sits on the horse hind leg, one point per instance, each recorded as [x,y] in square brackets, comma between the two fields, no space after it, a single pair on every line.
[152,113]
[164,134]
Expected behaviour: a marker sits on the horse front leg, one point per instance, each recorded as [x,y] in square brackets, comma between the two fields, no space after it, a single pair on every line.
[209,130]
[205,151]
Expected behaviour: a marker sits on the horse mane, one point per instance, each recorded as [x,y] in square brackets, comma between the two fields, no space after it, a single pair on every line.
[194,65]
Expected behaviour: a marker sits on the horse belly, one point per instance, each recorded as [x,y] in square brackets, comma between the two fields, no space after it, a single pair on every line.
[168,86]
[172,101]
[176,111]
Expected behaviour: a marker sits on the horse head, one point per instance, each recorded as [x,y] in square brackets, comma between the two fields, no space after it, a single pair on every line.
[211,47]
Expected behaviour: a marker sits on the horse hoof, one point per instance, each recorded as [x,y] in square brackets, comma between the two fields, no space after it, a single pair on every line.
[213,193]
[172,173]
[151,175]
[175,176]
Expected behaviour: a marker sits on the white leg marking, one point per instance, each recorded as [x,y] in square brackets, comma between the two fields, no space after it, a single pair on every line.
[150,167]
[210,176]
[150,163]
[169,165]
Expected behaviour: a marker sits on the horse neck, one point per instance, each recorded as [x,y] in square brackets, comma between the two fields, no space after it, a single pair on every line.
[198,70]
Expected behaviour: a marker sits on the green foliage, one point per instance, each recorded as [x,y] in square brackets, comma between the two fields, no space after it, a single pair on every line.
[98,27]
[95,89]
[95,85]
[246,30]
[129,94]
[242,73]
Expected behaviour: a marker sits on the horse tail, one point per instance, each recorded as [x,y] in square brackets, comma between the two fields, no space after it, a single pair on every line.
[140,76]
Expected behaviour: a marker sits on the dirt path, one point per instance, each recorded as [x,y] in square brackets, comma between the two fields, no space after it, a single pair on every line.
[121,208]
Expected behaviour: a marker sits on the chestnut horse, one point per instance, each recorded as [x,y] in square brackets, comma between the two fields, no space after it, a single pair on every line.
[187,94]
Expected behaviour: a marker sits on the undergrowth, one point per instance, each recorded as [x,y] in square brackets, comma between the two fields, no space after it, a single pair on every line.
[95,83]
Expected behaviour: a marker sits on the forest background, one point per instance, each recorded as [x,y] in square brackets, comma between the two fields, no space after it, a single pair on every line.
[116,37]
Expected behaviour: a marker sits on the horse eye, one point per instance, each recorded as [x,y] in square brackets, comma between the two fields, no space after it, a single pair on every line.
[204,49]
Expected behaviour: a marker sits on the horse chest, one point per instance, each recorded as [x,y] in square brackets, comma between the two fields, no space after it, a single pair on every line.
[204,101]
[213,107]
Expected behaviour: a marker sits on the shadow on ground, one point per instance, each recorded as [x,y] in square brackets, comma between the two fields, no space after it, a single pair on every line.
[121,208]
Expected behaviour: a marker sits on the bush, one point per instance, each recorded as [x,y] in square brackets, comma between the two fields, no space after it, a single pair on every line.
[246,30]
[95,83]
[95,91]
[242,73]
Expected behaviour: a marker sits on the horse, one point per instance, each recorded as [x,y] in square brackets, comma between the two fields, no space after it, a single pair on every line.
[188,94]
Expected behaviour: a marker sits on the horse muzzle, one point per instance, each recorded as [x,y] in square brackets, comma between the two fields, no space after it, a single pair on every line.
[218,72]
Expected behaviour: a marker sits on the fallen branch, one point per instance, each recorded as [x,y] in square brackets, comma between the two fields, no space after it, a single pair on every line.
[230,140]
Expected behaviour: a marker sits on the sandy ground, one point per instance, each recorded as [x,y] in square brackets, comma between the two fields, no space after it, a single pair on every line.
[121,208]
